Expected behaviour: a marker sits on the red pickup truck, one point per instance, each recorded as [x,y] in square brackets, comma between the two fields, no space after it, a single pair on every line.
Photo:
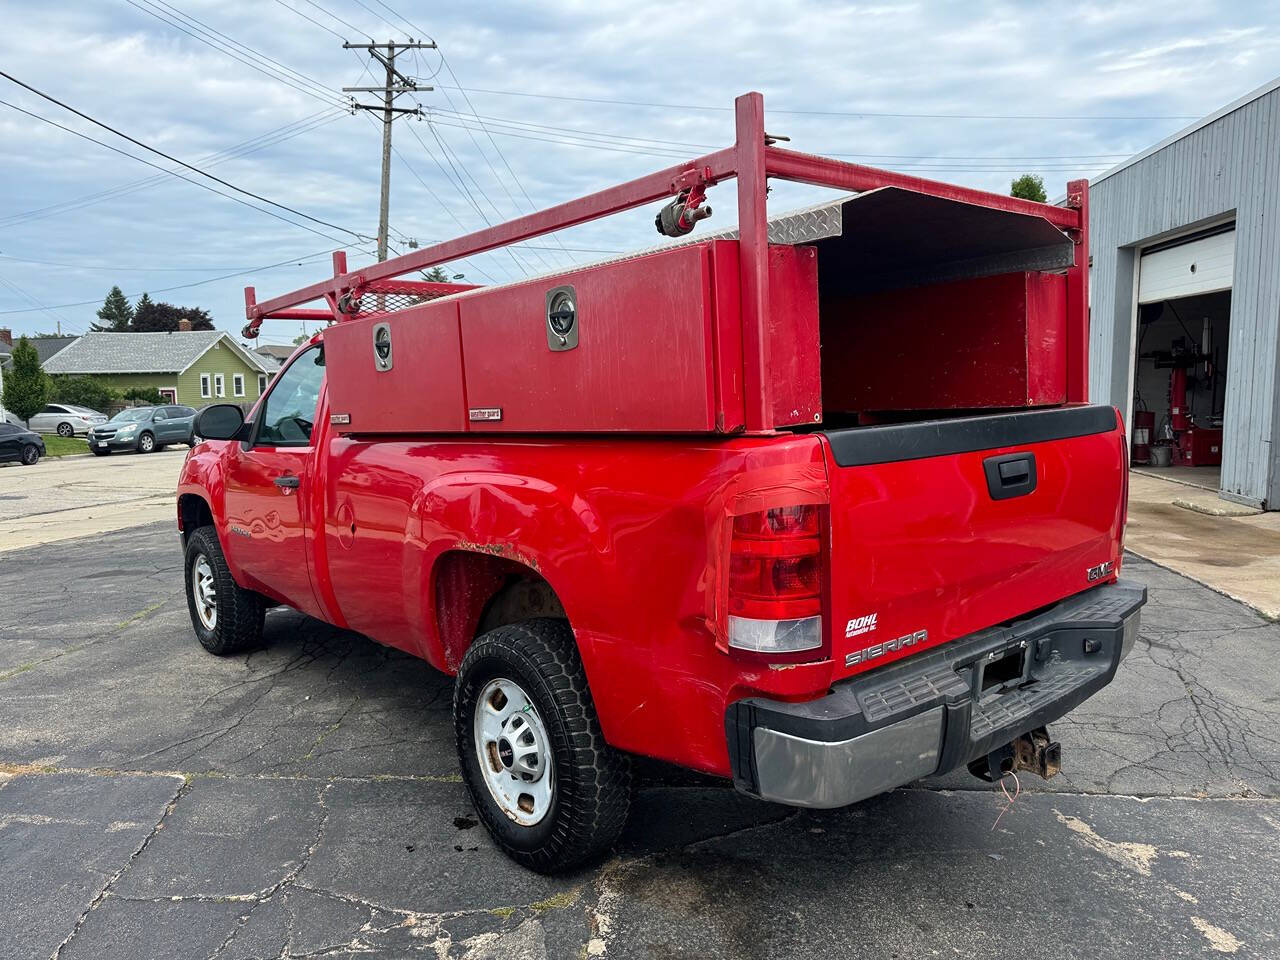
[817,504]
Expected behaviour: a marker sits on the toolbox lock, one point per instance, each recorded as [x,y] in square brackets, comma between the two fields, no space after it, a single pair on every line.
[382,347]
[562,318]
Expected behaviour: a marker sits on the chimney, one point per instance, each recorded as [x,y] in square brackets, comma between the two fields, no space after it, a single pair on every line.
[6,336]
[184,326]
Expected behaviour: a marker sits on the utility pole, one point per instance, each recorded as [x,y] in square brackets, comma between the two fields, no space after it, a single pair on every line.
[396,84]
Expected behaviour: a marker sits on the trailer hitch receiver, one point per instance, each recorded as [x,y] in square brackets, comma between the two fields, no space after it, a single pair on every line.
[1032,751]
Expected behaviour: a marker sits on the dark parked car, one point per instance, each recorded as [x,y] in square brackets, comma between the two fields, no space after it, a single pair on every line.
[19,443]
[143,429]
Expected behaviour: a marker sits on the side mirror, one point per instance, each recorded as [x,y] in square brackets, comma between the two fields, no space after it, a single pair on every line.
[219,421]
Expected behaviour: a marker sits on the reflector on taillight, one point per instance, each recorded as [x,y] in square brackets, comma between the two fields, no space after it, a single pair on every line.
[775,580]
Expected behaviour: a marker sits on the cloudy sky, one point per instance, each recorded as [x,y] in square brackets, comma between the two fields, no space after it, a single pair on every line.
[534,104]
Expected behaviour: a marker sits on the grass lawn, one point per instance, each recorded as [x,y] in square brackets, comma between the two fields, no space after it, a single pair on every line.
[56,446]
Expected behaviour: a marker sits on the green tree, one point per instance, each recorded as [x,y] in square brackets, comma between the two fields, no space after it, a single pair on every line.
[301,338]
[115,314]
[92,392]
[26,386]
[1029,187]
[437,275]
[144,308]
[143,395]
[152,317]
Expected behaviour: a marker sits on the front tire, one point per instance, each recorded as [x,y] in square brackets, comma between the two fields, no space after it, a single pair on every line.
[30,454]
[66,430]
[551,792]
[146,443]
[227,618]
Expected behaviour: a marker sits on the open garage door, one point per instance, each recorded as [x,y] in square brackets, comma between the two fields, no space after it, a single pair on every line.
[1180,374]
[1188,266]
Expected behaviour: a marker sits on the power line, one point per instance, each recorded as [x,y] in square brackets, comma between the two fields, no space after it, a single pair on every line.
[323,97]
[673,154]
[492,169]
[665,142]
[113,268]
[187,286]
[311,81]
[338,19]
[310,19]
[242,149]
[173,159]
[828,113]
[444,62]
[172,173]
[41,307]
[464,189]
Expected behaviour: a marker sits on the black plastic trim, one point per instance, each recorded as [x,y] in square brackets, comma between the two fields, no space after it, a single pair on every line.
[890,443]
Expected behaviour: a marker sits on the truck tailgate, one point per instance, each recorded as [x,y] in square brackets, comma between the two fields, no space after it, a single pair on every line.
[946,527]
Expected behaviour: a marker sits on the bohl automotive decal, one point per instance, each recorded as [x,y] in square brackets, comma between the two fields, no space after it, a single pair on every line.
[860,625]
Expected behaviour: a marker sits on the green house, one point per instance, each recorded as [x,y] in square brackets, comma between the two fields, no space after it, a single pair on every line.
[191,367]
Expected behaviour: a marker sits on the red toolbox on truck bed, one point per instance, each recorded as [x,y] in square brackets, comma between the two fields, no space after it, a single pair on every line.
[860,319]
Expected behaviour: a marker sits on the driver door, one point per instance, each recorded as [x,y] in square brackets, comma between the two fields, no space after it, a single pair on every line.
[267,488]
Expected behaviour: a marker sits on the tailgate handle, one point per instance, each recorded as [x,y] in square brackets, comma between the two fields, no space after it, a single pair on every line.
[1010,475]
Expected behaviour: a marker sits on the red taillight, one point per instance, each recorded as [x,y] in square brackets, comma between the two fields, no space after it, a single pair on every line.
[776,580]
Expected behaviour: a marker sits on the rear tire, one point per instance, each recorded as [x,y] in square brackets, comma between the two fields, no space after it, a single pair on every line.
[543,761]
[30,455]
[227,618]
[66,430]
[146,443]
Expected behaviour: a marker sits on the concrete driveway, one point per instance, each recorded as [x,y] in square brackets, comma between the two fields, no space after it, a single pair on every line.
[64,497]
[303,801]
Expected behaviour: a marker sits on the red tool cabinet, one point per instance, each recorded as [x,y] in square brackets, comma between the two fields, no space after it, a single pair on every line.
[658,349]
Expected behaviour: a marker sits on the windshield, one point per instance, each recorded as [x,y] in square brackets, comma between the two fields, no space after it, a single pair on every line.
[136,415]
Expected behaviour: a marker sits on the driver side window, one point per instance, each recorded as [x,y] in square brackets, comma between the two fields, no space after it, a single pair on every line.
[290,408]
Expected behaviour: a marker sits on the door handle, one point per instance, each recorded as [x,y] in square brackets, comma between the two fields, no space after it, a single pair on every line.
[287,482]
[1010,475]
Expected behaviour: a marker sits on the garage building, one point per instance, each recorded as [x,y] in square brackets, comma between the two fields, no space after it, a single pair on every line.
[1185,299]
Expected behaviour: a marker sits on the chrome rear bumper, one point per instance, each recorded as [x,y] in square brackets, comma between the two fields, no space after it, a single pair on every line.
[932,712]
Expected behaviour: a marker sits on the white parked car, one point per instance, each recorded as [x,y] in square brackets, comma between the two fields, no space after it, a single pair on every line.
[65,419]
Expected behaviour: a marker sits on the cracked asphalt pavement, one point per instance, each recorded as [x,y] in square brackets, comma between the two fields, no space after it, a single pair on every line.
[303,801]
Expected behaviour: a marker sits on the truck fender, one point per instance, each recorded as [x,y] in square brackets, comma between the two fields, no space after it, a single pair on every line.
[523,525]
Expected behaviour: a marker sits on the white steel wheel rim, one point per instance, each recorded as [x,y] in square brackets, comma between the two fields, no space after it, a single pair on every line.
[514,752]
[204,592]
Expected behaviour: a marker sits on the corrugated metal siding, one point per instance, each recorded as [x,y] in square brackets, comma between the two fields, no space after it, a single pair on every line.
[1226,169]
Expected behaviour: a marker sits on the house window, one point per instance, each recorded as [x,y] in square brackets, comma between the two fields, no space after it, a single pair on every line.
[237,384]
[262,384]
[205,392]
[219,385]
